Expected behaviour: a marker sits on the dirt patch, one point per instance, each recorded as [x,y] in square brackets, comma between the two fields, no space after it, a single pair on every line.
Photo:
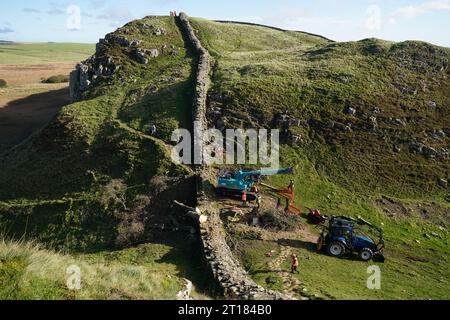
[392,208]
[26,75]
[432,213]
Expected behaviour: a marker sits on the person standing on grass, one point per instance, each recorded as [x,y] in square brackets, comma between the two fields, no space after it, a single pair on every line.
[153,130]
[258,201]
[295,264]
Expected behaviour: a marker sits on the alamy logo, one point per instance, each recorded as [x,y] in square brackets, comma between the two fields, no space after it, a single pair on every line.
[374,279]
[73,273]
[238,146]
[73,18]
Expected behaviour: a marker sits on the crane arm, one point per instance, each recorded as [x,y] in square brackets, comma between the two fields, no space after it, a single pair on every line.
[266,172]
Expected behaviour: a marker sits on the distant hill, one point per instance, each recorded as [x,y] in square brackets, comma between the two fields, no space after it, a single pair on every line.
[6,42]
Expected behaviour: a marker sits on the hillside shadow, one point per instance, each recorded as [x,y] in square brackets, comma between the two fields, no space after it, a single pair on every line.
[22,117]
[187,255]
[298,244]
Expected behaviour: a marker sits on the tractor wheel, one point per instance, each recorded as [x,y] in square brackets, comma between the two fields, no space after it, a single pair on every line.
[366,254]
[336,249]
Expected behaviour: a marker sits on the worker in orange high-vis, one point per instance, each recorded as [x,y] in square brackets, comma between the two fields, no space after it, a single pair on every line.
[244,198]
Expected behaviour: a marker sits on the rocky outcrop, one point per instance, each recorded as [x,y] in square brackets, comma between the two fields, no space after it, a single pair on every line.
[229,274]
[143,55]
[427,151]
[186,293]
[420,57]
[89,72]
[100,66]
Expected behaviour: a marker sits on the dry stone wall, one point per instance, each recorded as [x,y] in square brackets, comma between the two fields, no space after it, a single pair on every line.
[227,271]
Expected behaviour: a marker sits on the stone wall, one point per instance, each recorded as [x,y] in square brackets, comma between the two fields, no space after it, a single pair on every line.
[227,271]
[203,71]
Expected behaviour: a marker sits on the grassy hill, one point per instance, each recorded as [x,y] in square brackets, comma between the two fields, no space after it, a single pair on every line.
[357,108]
[367,135]
[53,184]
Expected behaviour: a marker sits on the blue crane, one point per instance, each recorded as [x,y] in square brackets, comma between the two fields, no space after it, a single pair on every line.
[238,182]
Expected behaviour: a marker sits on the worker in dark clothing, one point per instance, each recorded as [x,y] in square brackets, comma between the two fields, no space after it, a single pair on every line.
[278,203]
[288,205]
[295,264]
[152,130]
[258,201]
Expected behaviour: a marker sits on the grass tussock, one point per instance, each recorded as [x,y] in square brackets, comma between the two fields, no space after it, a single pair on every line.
[27,271]
[56,79]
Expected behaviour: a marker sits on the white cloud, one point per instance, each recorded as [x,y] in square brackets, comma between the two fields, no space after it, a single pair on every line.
[6,30]
[31,10]
[413,11]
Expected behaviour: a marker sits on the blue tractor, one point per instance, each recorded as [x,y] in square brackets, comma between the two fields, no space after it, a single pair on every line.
[234,183]
[346,235]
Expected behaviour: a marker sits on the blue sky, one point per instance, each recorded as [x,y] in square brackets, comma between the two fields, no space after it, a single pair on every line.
[341,20]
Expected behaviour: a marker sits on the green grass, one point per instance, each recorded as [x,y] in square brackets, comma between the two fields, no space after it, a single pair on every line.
[3,83]
[412,270]
[37,53]
[261,72]
[50,185]
[151,271]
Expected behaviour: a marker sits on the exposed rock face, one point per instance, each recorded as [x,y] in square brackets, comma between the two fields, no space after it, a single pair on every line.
[350,111]
[143,55]
[186,294]
[428,151]
[89,72]
[286,121]
[100,66]
[420,57]
[79,80]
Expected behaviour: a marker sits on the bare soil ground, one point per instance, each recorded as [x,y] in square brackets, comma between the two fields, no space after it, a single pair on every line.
[26,104]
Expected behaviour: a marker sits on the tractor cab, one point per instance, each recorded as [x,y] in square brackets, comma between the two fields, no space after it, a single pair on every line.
[348,235]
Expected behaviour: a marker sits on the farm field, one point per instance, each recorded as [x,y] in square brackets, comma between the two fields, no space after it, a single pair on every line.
[27,104]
